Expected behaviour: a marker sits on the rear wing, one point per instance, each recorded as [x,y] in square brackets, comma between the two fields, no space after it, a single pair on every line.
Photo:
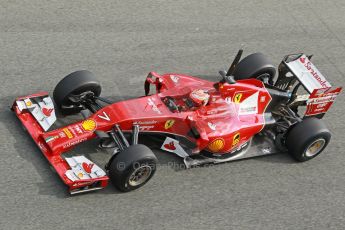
[297,70]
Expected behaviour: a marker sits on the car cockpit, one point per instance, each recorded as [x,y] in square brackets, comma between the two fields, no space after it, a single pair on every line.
[189,101]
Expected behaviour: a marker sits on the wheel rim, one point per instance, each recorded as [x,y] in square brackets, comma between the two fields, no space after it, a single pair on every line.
[315,147]
[140,175]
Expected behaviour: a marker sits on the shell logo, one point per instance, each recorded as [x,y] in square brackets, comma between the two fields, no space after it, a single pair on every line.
[28,103]
[89,125]
[216,145]
[80,175]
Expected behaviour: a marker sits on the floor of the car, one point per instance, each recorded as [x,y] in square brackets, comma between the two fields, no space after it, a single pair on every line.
[260,145]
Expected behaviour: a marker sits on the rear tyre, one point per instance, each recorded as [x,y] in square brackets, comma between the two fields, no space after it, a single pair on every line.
[132,168]
[75,84]
[307,139]
[254,66]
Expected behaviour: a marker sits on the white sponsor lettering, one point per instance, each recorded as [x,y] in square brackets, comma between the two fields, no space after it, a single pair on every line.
[153,106]
[212,126]
[315,74]
[104,116]
[145,122]
[74,143]
[249,105]
[146,127]
[308,74]
[174,78]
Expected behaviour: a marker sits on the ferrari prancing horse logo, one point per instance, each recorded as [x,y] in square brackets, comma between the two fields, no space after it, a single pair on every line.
[237,97]
[236,139]
[168,124]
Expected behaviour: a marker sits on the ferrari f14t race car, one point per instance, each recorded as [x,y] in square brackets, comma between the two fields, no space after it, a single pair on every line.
[201,121]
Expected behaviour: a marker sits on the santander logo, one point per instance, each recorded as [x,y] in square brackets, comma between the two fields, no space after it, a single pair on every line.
[317,77]
[170,146]
[47,112]
[87,167]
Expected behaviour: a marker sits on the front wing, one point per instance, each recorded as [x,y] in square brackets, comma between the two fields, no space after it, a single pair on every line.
[36,113]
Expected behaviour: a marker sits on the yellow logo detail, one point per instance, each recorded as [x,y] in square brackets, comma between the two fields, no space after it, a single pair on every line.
[237,97]
[169,124]
[236,139]
[216,145]
[68,133]
[28,103]
[89,125]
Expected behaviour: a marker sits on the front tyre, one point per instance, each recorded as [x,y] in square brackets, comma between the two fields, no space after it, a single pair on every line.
[307,139]
[75,85]
[132,168]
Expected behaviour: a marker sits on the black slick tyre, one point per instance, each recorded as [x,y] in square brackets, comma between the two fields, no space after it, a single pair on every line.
[132,168]
[307,139]
[253,66]
[76,83]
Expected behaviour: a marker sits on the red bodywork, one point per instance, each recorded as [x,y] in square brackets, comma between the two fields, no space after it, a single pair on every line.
[223,124]
[320,100]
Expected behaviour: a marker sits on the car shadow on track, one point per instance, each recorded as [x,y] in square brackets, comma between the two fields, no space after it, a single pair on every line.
[28,151]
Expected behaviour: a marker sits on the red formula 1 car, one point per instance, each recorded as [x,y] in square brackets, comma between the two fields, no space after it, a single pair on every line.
[199,120]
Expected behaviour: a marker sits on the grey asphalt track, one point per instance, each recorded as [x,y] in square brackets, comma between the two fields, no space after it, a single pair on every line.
[121,41]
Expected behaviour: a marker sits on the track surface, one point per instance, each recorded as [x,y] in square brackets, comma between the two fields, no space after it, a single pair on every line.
[121,42]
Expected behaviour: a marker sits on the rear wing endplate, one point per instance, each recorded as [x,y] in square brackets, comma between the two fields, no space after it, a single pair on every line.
[320,100]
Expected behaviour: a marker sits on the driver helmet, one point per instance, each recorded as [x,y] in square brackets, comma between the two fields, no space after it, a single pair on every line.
[199,97]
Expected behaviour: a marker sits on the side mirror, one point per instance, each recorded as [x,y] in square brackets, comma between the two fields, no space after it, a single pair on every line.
[222,73]
[228,79]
